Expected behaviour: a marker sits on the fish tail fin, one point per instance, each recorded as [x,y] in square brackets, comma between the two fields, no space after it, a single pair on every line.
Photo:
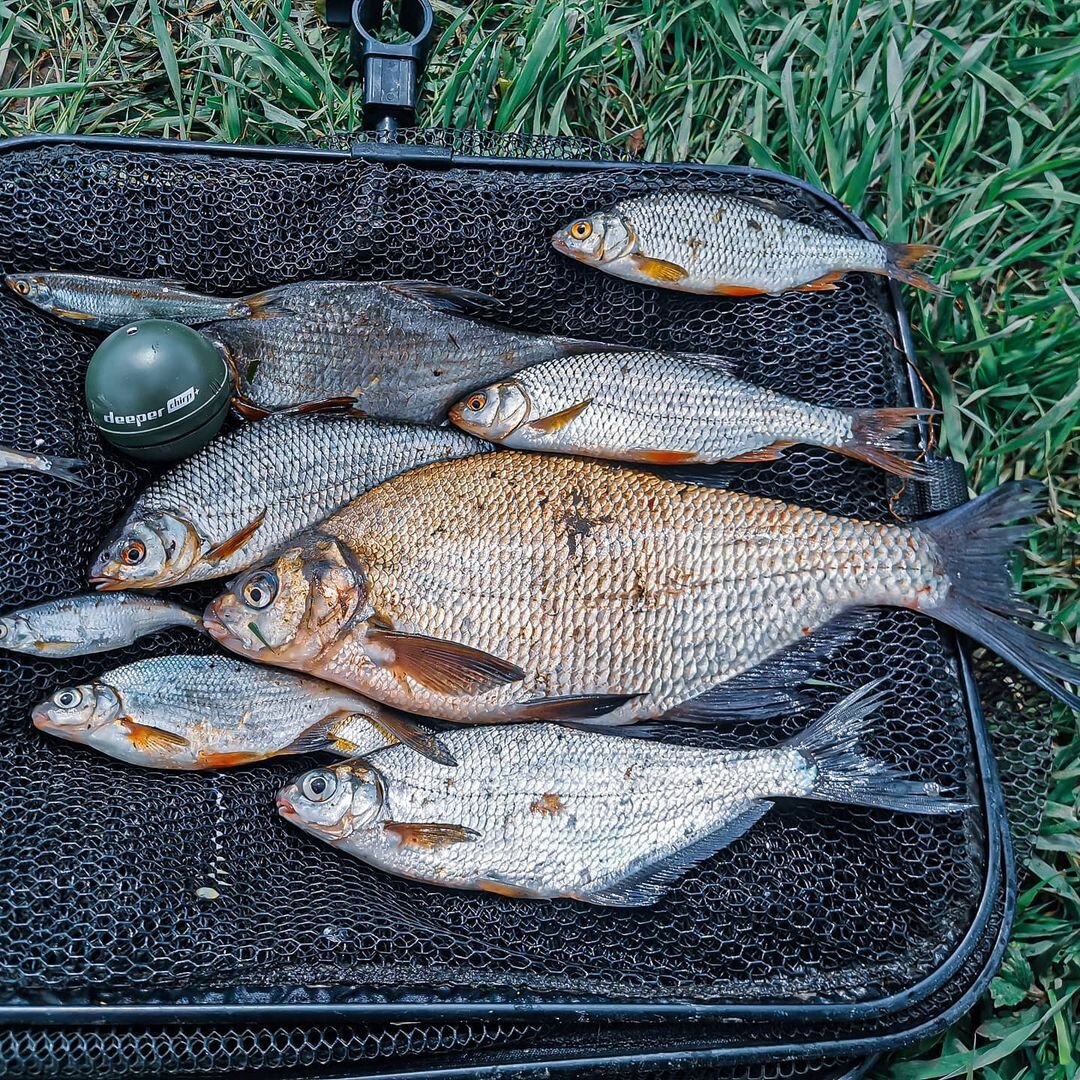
[900,260]
[976,544]
[66,468]
[878,437]
[847,775]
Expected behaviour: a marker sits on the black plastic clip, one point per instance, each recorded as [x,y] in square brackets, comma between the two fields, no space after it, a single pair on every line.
[390,72]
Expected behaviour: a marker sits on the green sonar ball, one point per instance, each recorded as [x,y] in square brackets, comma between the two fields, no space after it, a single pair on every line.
[158,390]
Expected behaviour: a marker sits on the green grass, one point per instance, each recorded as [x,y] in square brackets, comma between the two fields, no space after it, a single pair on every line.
[953,121]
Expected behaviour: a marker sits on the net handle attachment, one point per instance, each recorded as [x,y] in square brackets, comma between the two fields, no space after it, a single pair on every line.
[390,73]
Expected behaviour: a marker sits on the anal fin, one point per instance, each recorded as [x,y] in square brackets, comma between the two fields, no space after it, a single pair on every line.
[825,283]
[764,453]
[648,884]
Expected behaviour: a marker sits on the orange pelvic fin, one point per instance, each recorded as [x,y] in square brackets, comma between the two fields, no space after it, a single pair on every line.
[664,457]
[402,728]
[737,290]
[208,759]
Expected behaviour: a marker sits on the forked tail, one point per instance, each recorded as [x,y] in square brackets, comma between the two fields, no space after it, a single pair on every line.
[846,775]
[879,437]
[976,546]
[900,260]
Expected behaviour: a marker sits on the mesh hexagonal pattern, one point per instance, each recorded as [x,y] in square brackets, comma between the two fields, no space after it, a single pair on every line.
[101,863]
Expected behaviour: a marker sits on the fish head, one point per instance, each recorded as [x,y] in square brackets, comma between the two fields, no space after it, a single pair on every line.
[288,610]
[17,633]
[147,551]
[334,803]
[30,287]
[494,412]
[77,712]
[600,238]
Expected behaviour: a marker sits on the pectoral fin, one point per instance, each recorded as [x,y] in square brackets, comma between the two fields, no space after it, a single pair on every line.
[447,667]
[235,542]
[153,740]
[659,269]
[559,420]
[429,836]
[74,316]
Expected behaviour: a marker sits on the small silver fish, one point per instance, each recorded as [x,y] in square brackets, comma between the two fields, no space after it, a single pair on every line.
[214,712]
[83,625]
[669,408]
[61,467]
[539,811]
[107,303]
[726,245]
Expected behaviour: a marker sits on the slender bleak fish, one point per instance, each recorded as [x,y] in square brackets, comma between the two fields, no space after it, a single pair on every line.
[83,625]
[213,712]
[401,350]
[726,245]
[107,303]
[539,811]
[61,467]
[666,408]
[541,587]
[236,500]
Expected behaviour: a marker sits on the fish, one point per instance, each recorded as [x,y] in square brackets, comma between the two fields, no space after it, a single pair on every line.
[541,587]
[62,468]
[727,245]
[214,712]
[84,625]
[227,506]
[400,350]
[668,409]
[99,302]
[538,811]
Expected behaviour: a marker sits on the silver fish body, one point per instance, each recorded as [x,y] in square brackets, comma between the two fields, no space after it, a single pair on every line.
[227,506]
[669,408]
[100,302]
[540,811]
[203,712]
[60,467]
[394,350]
[702,242]
[83,625]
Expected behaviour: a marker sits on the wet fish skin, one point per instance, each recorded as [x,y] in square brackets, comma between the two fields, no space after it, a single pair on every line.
[203,712]
[284,473]
[670,408]
[540,811]
[84,625]
[61,467]
[480,589]
[711,244]
[397,350]
[100,302]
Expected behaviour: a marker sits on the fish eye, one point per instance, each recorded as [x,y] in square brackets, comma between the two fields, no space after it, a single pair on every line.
[260,589]
[476,402]
[581,230]
[22,286]
[68,699]
[318,786]
[3,630]
[133,553]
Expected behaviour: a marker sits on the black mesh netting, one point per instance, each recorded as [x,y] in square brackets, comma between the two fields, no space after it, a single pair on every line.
[102,863]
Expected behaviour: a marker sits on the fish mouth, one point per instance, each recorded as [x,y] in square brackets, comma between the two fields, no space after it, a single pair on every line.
[40,718]
[284,807]
[104,583]
[215,627]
